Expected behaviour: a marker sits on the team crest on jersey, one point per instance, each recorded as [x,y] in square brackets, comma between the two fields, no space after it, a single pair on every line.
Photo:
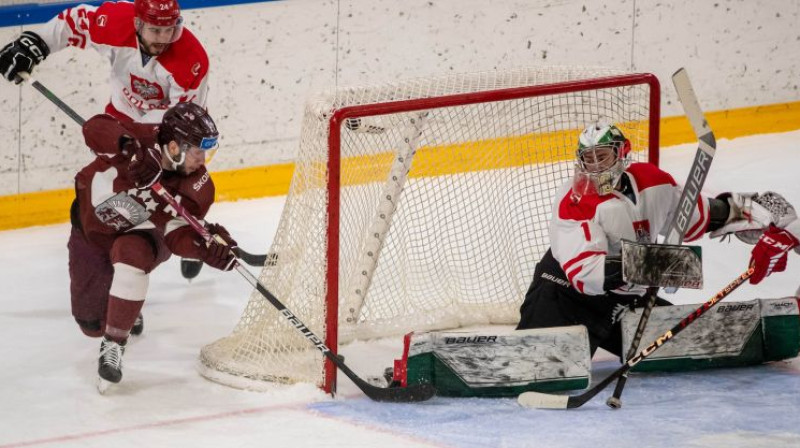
[121,212]
[101,20]
[146,90]
[642,230]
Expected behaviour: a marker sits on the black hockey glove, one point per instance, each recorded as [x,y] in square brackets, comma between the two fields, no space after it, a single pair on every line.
[22,55]
[145,165]
[613,273]
[219,254]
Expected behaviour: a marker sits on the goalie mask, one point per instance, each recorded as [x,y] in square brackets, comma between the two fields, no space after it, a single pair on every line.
[602,157]
[192,129]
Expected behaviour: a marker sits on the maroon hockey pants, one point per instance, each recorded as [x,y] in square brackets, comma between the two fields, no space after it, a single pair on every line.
[91,272]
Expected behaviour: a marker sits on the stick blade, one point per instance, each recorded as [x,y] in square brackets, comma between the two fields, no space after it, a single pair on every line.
[539,400]
[694,113]
[410,394]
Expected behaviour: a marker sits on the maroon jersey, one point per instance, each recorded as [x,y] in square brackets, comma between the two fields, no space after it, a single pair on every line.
[110,204]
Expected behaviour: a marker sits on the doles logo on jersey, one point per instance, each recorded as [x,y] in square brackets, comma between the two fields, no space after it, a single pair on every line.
[146,90]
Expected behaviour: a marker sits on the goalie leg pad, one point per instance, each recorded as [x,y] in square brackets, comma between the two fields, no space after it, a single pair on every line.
[491,364]
[733,334]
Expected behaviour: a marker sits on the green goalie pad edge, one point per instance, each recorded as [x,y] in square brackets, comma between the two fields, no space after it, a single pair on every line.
[492,364]
[732,334]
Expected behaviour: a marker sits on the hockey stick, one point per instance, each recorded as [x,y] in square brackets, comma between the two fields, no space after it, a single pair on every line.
[677,226]
[419,392]
[251,259]
[269,259]
[549,401]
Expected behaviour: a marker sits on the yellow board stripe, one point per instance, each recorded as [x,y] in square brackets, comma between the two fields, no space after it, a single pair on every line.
[51,207]
[504,152]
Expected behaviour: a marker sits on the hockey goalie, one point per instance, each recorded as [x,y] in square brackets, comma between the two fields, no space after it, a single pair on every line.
[580,301]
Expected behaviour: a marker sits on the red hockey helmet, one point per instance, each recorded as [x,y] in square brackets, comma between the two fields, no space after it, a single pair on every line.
[158,12]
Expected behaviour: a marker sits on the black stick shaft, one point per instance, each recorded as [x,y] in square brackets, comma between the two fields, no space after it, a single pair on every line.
[414,393]
[637,339]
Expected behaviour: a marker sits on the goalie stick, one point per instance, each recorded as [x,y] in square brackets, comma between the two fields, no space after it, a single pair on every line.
[414,393]
[549,401]
[251,259]
[678,224]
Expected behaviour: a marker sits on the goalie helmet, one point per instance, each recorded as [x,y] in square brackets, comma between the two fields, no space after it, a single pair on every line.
[189,125]
[601,158]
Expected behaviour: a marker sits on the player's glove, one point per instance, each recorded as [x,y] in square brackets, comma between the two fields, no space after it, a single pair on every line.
[769,255]
[22,55]
[219,252]
[145,164]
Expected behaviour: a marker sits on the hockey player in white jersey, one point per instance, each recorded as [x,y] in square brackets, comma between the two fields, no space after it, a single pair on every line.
[579,280]
[155,61]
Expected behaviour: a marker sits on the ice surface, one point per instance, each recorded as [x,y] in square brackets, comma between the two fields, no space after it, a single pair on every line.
[48,368]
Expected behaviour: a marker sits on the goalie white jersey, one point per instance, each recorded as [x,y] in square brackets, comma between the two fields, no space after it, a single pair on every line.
[140,91]
[584,232]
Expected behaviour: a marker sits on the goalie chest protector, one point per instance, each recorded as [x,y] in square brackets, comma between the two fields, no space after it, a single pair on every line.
[729,335]
[492,364]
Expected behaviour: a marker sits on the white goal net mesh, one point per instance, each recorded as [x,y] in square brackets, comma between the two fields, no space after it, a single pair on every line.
[444,195]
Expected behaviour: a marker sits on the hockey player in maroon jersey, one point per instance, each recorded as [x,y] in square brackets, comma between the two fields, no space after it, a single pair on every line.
[120,229]
[579,280]
[155,61]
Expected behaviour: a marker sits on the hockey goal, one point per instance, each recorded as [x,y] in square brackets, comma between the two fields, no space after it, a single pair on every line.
[422,205]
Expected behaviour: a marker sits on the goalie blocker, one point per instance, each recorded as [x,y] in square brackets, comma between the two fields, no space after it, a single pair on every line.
[665,265]
[497,364]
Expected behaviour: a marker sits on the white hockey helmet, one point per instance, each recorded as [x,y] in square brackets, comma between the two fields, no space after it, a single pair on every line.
[601,158]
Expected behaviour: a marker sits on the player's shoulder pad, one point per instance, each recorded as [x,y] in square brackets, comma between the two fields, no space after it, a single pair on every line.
[186,60]
[146,133]
[648,175]
[202,190]
[583,209]
[113,25]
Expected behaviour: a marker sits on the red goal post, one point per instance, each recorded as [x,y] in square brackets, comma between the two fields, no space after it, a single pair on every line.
[415,208]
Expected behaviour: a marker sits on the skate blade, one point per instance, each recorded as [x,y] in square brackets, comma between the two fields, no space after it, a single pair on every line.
[103,386]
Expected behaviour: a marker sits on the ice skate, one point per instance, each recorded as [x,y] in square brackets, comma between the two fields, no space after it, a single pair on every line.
[109,364]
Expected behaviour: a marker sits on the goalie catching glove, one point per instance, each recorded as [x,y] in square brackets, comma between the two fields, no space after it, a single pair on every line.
[219,252]
[22,55]
[751,213]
